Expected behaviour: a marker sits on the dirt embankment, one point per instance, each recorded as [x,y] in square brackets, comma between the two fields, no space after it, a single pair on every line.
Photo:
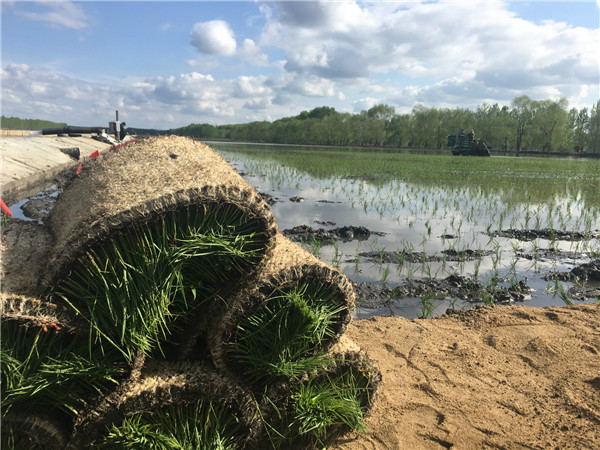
[490,377]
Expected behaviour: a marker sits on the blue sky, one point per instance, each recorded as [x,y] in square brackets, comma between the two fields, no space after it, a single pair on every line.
[168,64]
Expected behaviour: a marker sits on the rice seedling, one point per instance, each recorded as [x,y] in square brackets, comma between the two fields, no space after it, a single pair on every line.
[426,194]
[286,335]
[428,304]
[315,247]
[48,370]
[385,275]
[323,407]
[337,255]
[133,287]
[199,425]
[564,295]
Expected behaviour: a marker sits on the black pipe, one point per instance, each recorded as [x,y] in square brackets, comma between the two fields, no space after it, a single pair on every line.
[71,130]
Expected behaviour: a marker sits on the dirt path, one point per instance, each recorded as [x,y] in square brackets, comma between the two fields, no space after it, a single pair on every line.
[491,377]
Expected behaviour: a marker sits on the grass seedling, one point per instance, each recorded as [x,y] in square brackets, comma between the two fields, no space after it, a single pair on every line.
[283,337]
[315,246]
[323,408]
[53,371]
[202,425]
[337,255]
[385,275]
[428,303]
[133,287]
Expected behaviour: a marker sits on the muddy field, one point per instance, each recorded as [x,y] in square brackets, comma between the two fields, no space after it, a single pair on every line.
[415,248]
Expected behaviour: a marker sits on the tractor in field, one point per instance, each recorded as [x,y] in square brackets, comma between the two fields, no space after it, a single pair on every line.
[466,144]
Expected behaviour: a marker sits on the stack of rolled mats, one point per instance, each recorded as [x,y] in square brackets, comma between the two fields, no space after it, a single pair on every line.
[159,308]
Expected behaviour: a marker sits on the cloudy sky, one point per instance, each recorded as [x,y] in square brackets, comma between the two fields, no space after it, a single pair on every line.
[168,64]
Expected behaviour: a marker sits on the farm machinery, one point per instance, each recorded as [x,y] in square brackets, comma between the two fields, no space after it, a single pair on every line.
[466,144]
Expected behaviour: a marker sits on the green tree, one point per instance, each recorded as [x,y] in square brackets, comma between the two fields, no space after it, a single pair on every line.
[551,125]
[523,112]
[593,129]
[578,123]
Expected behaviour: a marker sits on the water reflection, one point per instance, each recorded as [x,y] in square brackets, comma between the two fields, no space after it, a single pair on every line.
[472,200]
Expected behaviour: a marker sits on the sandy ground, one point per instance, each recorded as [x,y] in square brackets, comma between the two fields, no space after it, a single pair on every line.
[492,377]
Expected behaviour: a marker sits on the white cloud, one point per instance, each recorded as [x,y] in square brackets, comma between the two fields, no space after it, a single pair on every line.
[216,38]
[332,52]
[364,104]
[461,51]
[213,38]
[252,53]
[58,14]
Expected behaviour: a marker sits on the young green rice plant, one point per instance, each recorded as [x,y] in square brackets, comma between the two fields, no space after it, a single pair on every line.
[200,425]
[356,263]
[384,276]
[322,408]
[476,270]
[133,287]
[315,246]
[428,304]
[49,370]
[564,295]
[285,335]
[337,255]
[487,297]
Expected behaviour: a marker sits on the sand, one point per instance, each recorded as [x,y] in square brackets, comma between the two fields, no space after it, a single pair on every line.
[491,377]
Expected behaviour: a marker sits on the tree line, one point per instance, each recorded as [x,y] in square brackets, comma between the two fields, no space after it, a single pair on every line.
[525,125]
[14,123]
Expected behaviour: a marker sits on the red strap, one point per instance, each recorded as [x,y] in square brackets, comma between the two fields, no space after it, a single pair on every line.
[5,208]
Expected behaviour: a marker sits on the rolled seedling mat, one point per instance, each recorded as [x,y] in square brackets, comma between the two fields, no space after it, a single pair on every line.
[50,371]
[323,405]
[282,324]
[34,431]
[149,234]
[175,402]
[24,246]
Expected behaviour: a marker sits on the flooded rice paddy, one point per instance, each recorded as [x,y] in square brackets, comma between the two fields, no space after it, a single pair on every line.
[419,234]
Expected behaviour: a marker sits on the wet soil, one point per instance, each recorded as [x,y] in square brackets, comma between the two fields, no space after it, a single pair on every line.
[387,257]
[372,295]
[499,290]
[545,233]
[306,233]
[585,279]
[38,205]
[268,198]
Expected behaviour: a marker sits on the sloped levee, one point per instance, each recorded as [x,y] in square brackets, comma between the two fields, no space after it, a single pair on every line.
[174,312]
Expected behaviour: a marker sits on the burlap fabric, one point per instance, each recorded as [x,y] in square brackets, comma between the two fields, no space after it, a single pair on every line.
[162,385]
[149,179]
[289,267]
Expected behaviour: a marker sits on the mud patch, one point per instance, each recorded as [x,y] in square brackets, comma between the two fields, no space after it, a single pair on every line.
[545,233]
[268,198]
[387,257]
[306,233]
[586,279]
[588,272]
[500,291]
